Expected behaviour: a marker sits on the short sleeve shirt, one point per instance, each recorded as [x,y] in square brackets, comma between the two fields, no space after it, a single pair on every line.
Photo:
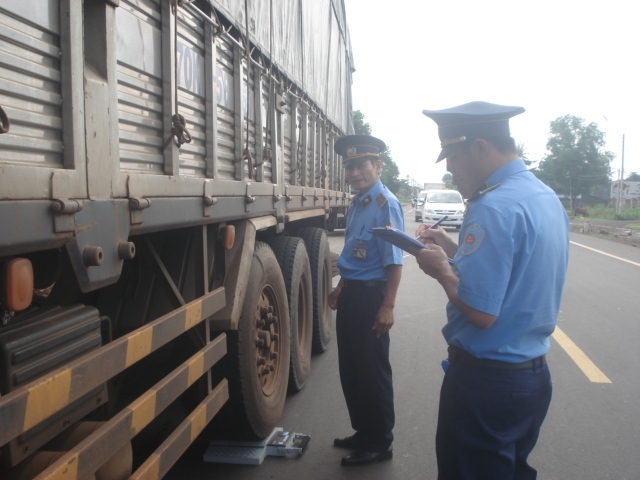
[364,256]
[511,262]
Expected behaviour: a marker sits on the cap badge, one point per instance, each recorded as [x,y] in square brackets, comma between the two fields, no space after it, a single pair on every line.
[351,151]
[453,141]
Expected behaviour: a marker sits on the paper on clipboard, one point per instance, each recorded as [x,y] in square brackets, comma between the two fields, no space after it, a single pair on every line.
[400,239]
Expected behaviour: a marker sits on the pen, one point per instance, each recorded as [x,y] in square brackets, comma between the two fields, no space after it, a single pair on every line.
[435,224]
[439,221]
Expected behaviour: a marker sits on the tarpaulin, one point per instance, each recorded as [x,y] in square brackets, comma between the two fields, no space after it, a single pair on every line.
[308,40]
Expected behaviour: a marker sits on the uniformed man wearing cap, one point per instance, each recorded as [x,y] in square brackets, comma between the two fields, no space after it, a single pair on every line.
[370,271]
[504,291]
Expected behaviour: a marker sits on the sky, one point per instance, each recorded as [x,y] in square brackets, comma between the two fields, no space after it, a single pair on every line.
[553,58]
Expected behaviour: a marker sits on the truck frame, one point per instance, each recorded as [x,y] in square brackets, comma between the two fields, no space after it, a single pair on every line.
[167,177]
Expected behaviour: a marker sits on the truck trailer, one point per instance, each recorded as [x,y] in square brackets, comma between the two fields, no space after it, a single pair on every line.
[167,178]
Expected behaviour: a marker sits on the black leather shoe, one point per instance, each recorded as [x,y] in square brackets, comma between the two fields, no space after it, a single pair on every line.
[362,457]
[347,442]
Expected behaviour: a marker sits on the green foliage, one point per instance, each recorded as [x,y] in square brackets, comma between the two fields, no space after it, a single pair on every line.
[522,153]
[447,179]
[360,126]
[576,160]
[390,171]
[634,177]
[608,213]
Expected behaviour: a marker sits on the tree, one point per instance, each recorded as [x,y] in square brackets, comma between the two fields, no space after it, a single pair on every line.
[360,126]
[390,171]
[447,179]
[576,160]
[634,177]
[522,153]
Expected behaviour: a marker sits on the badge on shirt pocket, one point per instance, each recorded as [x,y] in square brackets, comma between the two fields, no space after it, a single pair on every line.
[362,244]
[360,251]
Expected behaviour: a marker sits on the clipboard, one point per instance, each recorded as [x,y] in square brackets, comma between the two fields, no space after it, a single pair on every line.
[400,239]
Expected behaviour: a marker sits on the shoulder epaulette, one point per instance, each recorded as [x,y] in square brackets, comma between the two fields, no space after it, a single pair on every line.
[381,199]
[482,191]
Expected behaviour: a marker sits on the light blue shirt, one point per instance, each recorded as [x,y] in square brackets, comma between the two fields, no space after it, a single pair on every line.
[512,260]
[367,211]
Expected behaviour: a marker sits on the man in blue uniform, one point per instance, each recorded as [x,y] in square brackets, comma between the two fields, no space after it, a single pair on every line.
[370,271]
[504,291]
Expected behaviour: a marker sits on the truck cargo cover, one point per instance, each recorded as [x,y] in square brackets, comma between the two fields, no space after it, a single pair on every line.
[307,40]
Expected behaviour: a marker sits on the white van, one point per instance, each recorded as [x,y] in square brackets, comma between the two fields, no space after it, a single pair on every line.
[439,203]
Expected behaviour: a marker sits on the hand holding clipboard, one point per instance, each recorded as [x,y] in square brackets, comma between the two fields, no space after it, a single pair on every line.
[400,239]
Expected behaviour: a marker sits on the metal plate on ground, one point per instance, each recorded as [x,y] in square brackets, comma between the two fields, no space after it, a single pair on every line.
[279,443]
[240,455]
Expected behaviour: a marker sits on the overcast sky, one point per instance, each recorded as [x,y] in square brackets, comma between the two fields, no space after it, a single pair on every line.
[552,57]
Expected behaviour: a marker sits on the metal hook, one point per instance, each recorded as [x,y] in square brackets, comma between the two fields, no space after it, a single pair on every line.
[5,124]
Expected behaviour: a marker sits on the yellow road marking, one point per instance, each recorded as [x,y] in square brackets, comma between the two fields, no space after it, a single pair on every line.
[593,373]
[607,254]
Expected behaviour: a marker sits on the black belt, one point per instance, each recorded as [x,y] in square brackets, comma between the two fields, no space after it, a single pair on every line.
[363,283]
[458,356]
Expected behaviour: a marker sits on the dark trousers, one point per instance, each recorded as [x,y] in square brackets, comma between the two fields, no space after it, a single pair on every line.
[489,421]
[365,371]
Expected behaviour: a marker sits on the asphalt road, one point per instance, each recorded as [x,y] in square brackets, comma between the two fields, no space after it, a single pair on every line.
[592,429]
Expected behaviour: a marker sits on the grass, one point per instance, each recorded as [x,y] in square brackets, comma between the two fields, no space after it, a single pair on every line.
[600,212]
[608,213]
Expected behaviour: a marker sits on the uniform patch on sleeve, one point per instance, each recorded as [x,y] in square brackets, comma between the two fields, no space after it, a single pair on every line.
[473,237]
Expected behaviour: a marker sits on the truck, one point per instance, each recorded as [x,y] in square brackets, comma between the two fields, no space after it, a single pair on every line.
[167,178]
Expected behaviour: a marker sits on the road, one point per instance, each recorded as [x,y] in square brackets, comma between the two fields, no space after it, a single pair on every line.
[592,429]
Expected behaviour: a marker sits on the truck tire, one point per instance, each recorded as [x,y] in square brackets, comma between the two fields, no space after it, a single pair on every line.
[259,350]
[317,244]
[296,270]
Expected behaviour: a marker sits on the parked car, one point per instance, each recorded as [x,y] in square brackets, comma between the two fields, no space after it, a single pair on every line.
[439,203]
[418,204]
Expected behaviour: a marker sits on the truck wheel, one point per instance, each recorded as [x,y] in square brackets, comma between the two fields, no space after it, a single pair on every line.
[317,244]
[296,270]
[259,353]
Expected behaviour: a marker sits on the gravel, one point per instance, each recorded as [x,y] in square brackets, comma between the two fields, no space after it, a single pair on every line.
[615,230]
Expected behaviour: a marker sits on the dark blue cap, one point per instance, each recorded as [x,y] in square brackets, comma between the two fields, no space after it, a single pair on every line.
[471,120]
[353,147]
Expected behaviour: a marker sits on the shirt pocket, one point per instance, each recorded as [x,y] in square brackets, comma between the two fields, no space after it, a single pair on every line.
[365,237]
[362,245]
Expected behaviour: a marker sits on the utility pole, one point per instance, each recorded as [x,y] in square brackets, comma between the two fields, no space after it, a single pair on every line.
[621,182]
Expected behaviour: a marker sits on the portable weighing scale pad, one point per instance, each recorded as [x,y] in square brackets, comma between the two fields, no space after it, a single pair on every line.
[279,443]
